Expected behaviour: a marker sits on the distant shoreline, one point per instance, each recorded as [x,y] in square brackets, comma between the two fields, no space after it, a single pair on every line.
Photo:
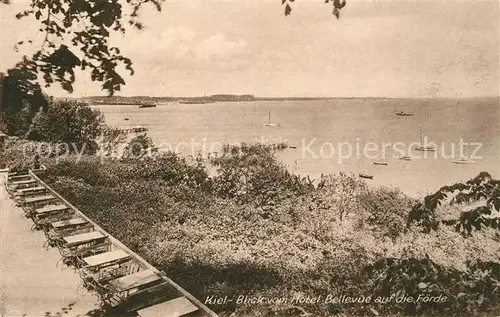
[139,100]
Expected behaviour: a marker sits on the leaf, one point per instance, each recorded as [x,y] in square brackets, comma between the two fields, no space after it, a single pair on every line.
[288,9]
[283,2]
[374,311]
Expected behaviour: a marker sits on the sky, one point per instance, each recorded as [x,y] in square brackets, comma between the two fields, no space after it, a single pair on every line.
[378,49]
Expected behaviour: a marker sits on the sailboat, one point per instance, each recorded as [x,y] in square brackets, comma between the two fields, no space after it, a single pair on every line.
[424,147]
[269,123]
[380,160]
[360,174]
[465,158]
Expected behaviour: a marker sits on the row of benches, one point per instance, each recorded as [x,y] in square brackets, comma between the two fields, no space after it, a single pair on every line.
[121,280]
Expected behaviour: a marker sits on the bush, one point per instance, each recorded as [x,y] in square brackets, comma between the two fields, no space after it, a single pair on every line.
[138,146]
[340,238]
[70,122]
[19,155]
[251,173]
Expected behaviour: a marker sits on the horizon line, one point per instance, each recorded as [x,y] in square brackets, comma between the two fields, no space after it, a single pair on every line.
[280,97]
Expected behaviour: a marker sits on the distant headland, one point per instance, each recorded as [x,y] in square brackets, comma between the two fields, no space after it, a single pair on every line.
[146,101]
[141,100]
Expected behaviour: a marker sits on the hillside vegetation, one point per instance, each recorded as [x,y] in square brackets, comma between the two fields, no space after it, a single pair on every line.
[256,229]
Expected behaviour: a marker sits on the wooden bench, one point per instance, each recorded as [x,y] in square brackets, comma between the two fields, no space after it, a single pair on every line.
[106,259]
[83,238]
[30,190]
[119,290]
[19,177]
[39,199]
[48,208]
[23,183]
[64,224]
[46,217]
[83,244]
[104,266]
[57,230]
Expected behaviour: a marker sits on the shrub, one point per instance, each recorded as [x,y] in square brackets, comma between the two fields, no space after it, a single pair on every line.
[251,173]
[341,238]
[70,122]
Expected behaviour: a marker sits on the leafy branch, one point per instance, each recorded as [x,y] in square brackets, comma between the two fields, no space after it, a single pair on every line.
[87,25]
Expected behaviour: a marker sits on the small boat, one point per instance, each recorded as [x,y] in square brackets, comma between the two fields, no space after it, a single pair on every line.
[425,148]
[126,119]
[380,163]
[404,114]
[464,157]
[365,176]
[464,161]
[405,158]
[147,105]
[271,124]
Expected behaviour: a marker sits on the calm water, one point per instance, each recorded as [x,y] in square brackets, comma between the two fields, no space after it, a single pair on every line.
[321,126]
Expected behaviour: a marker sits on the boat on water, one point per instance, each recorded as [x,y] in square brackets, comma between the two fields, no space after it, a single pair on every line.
[271,124]
[464,161]
[362,174]
[147,105]
[424,147]
[405,158]
[464,156]
[126,119]
[404,114]
[366,176]
[380,163]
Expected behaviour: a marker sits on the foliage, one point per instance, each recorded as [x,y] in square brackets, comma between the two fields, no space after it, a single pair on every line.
[139,146]
[70,122]
[340,193]
[110,140]
[251,173]
[175,216]
[479,199]
[19,154]
[387,210]
[21,99]
[338,5]
[87,25]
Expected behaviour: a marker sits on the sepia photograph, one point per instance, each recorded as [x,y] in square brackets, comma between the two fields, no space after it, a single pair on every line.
[262,158]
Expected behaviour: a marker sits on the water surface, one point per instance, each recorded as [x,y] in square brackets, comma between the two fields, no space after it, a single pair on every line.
[315,127]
